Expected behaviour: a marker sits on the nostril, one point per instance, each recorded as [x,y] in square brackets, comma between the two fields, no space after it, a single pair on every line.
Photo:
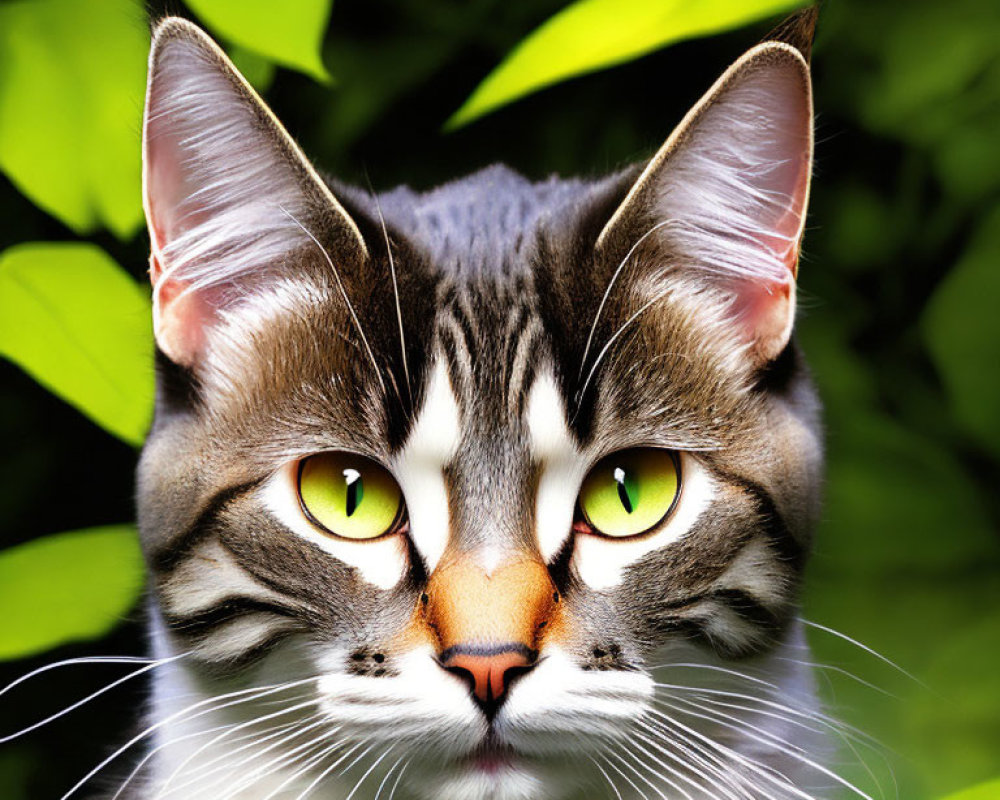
[463,674]
[488,670]
[511,674]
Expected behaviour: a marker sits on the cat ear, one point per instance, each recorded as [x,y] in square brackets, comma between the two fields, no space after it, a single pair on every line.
[726,195]
[228,195]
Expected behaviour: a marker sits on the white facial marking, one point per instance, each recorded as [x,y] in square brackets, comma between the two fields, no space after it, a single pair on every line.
[558,697]
[380,562]
[563,466]
[421,703]
[489,557]
[602,562]
[419,467]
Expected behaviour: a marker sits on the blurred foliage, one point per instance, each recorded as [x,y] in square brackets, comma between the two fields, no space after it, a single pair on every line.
[899,291]
[592,34]
[101,364]
[69,586]
[289,33]
[987,791]
[68,120]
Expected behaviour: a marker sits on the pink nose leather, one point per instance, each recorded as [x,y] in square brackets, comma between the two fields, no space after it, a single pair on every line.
[491,674]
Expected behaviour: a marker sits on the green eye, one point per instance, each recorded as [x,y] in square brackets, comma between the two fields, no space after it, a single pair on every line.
[629,492]
[348,495]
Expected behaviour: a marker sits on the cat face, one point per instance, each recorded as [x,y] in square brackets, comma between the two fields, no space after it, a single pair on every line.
[443,483]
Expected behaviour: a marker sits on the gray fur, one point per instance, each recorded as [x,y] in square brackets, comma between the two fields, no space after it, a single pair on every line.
[507,283]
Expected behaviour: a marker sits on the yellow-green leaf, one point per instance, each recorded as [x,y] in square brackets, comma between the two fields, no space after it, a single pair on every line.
[67,587]
[986,791]
[72,80]
[592,34]
[288,33]
[79,325]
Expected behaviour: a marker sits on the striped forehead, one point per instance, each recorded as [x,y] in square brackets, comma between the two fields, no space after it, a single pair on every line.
[490,336]
[477,474]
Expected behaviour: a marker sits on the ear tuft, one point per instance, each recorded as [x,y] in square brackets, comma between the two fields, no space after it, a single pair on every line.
[227,193]
[799,30]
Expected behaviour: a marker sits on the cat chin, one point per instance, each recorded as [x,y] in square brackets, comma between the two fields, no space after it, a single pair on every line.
[503,781]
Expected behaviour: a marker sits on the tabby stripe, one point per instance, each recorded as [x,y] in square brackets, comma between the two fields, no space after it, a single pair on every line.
[254,569]
[167,557]
[789,549]
[523,367]
[748,608]
[460,321]
[202,623]
[257,652]
[766,626]
[741,602]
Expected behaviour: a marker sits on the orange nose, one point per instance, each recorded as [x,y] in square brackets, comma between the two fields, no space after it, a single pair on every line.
[488,669]
[489,623]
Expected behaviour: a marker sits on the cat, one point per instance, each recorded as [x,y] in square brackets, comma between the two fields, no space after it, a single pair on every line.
[500,491]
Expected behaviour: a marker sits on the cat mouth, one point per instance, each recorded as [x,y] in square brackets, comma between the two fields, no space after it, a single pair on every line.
[491,757]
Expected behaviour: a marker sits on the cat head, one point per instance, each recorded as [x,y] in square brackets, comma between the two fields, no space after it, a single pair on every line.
[467,465]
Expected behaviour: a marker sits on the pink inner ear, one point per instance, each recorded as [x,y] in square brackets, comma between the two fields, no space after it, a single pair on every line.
[766,312]
[787,226]
[182,318]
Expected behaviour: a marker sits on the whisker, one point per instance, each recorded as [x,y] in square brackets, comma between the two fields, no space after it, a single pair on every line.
[865,648]
[736,720]
[93,696]
[724,670]
[201,774]
[255,693]
[628,780]
[600,769]
[699,752]
[607,292]
[626,758]
[395,293]
[385,779]
[152,753]
[789,750]
[326,772]
[840,671]
[676,758]
[343,292]
[676,773]
[368,772]
[767,773]
[399,778]
[810,714]
[70,662]
[607,345]
[307,751]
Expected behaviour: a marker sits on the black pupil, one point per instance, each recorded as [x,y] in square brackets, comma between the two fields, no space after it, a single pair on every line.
[623,495]
[355,490]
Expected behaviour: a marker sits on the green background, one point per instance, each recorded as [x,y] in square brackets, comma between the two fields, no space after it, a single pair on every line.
[899,310]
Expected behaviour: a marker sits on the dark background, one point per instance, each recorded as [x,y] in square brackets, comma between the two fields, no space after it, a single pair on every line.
[900,283]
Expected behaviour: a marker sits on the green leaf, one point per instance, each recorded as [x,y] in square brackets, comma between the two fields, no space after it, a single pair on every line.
[67,587]
[986,791]
[72,81]
[592,34]
[255,68]
[290,33]
[78,324]
[962,330]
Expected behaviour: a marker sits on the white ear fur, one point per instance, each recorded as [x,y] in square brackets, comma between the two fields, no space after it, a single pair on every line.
[225,189]
[728,190]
